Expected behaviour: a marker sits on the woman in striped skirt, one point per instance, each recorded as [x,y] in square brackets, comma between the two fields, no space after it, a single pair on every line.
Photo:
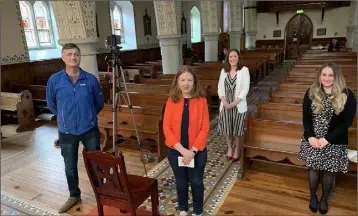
[234,84]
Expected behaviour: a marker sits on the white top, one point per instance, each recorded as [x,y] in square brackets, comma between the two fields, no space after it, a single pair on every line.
[241,90]
[352,155]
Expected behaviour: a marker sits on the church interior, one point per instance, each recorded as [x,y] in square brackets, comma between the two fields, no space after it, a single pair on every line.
[282,43]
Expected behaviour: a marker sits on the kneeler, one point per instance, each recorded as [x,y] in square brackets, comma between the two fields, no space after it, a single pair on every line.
[114,187]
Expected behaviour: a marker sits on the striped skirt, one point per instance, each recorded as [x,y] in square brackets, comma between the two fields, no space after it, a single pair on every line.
[231,122]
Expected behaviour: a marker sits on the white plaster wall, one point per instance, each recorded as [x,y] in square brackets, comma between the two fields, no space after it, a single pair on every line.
[144,42]
[104,24]
[13,42]
[335,20]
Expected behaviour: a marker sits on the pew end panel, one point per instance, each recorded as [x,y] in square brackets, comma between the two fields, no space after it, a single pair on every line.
[21,104]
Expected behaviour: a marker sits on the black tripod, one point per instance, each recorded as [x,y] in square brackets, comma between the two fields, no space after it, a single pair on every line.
[115,62]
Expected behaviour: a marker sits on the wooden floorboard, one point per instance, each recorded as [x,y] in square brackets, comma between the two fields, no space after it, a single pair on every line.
[275,190]
[32,169]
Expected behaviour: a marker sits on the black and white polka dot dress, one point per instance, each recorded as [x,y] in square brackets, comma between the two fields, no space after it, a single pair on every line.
[332,158]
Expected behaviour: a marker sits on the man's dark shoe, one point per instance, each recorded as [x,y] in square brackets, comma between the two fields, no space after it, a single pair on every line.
[69,204]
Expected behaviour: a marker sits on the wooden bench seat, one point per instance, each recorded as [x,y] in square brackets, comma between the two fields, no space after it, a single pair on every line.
[149,127]
[309,80]
[346,74]
[302,87]
[21,105]
[38,91]
[284,112]
[310,65]
[274,134]
[279,140]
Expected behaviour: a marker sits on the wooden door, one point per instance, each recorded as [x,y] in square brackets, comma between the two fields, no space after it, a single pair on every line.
[299,33]
[224,42]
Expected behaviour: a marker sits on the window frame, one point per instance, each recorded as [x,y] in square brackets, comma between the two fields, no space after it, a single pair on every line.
[121,21]
[34,25]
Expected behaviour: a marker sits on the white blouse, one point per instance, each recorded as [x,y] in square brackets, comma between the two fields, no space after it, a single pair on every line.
[242,87]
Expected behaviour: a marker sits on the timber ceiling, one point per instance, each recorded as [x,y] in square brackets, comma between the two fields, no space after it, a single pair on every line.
[273,6]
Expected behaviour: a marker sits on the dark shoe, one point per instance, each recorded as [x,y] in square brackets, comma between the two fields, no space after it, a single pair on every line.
[69,204]
[313,205]
[236,159]
[323,207]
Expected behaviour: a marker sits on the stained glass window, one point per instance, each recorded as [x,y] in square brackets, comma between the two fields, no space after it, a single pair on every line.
[117,20]
[36,24]
[27,24]
[41,17]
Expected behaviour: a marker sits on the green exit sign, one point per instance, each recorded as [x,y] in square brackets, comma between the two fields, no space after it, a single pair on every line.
[299,11]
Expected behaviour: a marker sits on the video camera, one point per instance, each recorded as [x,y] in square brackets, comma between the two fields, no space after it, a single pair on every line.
[113,40]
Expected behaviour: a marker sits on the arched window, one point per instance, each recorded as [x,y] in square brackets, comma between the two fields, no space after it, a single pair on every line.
[36,24]
[226,17]
[195,26]
[42,23]
[123,23]
[117,22]
[27,24]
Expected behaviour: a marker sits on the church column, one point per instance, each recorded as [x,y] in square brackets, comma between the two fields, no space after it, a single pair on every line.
[167,14]
[76,23]
[210,23]
[235,24]
[352,28]
[250,24]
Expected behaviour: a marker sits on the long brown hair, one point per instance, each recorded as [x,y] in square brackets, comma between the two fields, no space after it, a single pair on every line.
[338,97]
[175,92]
[227,66]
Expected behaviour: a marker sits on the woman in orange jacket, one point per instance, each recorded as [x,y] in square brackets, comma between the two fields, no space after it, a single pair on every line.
[186,128]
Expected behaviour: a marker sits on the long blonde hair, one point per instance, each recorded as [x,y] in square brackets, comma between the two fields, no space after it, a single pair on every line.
[338,97]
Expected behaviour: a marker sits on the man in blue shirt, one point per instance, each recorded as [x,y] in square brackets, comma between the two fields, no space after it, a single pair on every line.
[75,97]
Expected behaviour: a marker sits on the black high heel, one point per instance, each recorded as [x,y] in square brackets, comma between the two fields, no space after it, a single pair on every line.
[313,209]
[323,211]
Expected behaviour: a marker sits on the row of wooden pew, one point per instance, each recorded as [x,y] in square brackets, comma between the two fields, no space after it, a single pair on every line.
[273,134]
[148,92]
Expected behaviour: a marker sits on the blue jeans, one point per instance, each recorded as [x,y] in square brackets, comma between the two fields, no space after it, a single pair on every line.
[69,150]
[184,175]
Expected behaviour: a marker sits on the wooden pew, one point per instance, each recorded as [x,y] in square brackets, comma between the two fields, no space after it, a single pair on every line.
[309,80]
[148,90]
[284,112]
[149,122]
[257,68]
[147,100]
[38,91]
[279,140]
[21,105]
[301,87]
[275,131]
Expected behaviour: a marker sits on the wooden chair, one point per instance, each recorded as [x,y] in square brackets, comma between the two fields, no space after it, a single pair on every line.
[114,187]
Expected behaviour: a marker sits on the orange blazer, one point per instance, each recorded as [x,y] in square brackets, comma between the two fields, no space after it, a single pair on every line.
[198,122]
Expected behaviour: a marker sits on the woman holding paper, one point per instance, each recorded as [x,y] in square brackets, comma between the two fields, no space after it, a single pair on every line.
[186,128]
[329,108]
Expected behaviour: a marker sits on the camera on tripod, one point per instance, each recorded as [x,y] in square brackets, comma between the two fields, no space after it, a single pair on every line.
[113,40]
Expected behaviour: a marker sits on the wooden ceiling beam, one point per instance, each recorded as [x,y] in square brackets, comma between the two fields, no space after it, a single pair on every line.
[273,6]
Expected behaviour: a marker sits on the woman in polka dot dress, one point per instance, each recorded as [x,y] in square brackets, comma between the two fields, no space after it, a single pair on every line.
[328,111]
